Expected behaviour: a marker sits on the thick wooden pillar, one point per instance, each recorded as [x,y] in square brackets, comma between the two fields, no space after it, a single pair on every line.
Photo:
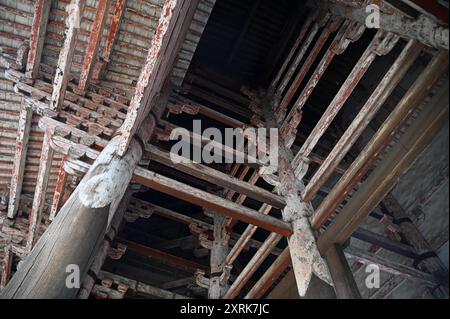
[70,243]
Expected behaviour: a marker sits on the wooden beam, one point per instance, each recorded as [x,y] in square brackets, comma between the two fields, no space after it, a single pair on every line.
[381,44]
[411,100]
[37,36]
[344,282]
[165,258]
[45,163]
[423,29]
[59,190]
[99,259]
[140,287]
[110,41]
[270,276]
[101,14]
[399,159]
[175,20]
[209,201]
[218,286]
[384,89]
[253,265]
[413,236]
[62,75]
[391,267]
[215,177]
[20,155]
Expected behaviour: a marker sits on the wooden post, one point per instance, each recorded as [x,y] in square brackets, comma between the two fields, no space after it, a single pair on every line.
[219,250]
[71,241]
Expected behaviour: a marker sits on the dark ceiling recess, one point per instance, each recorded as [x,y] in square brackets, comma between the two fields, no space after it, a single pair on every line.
[243,39]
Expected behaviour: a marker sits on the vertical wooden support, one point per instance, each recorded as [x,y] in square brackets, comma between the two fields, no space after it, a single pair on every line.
[217,285]
[40,191]
[59,190]
[19,159]
[344,282]
[38,29]
[6,266]
[62,75]
[94,42]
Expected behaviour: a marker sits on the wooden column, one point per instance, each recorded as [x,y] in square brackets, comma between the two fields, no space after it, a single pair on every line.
[45,164]
[38,29]
[344,282]
[59,190]
[6,266]
[19,159]
[77,231]
[219,251]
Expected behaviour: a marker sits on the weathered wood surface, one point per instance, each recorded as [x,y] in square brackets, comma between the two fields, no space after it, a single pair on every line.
[344,282]
[62,75]
[20,154]
[76,233]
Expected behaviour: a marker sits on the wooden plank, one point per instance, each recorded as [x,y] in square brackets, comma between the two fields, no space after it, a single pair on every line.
[384,89]
[253,265]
